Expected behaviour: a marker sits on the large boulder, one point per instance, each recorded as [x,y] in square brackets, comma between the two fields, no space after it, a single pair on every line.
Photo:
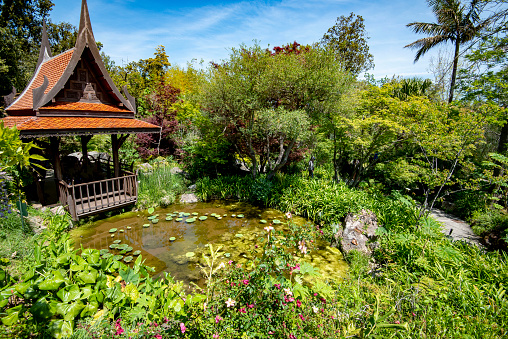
[358,233]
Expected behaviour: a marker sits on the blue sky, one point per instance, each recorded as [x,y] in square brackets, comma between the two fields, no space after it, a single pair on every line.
[204,30]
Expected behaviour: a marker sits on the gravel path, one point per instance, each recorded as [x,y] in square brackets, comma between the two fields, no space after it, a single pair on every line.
[461,229]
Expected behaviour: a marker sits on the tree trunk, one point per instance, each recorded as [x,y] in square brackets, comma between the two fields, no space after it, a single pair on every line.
[335,165]
[454,70]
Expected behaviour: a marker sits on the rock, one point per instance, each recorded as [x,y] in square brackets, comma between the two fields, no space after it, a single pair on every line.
[59,210]
[359,232]
[188,198]
[37,206]
[192,187]
[146,167]
[175,170]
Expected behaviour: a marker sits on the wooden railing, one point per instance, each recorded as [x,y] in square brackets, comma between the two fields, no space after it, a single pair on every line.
[98,196]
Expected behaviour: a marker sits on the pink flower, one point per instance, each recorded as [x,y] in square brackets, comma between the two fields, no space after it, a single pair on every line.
[245,281]
[242,310]
[270,332]
[397,322]
[215,336]
[291,336]
[230,262]
[288,215]
[301,317]
[278,286]
[158,336]
[251,306]
[182,327]
[217,319]
[298,303]
[118,327]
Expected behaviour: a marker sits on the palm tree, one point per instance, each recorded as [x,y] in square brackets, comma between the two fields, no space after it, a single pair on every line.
[457,23]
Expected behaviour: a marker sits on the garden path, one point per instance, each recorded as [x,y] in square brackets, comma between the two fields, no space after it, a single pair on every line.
[461,229]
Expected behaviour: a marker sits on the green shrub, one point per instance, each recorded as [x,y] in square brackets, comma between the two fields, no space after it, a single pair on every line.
[490,221]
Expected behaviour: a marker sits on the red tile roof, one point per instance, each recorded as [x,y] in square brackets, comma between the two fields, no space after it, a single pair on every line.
[84,106]
[40,125]
[53,70]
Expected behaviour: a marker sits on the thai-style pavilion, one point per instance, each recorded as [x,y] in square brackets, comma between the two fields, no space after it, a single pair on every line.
[72,94]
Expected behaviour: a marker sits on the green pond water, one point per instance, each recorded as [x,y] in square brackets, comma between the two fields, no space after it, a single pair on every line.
[238,237]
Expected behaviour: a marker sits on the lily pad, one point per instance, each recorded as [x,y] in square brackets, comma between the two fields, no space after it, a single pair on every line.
[213,215]
[138,252]
[238,235]
[152,217]
[190,254]
[172,239]
[186,214]
[128,259]
[179,219]
[117,241]
[118,257]
[154,221]
[227,255]
[151,210]
[128,227]
[233,215]
[113,230]
[104,251]
[121,231]
[203,217]
[146,225]
[113,246]
[112,235]
[195,213]
[128,249]
[122,247]
[276,221]
[225,215]
[263,221]
[218,217]
[239,216]
[107,255]
[169,218]
[190,220]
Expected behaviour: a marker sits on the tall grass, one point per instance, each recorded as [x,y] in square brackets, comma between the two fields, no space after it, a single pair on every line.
[159,187]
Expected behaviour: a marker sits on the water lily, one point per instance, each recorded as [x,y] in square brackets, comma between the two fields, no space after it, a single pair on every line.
[230,302]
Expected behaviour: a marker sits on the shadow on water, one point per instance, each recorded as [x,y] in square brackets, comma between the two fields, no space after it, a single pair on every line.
[238,236]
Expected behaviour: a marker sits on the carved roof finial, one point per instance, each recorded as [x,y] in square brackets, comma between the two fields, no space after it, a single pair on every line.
[45,51]
[84,22]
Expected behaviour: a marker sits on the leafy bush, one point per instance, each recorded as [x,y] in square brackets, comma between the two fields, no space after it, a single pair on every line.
[490,222]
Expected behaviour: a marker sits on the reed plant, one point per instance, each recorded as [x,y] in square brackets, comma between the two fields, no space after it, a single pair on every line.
[159,187]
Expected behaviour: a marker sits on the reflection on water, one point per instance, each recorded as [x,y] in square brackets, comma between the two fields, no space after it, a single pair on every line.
[170,256]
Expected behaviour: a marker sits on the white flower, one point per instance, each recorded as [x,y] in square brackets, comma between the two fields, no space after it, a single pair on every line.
[269,228]
[288,215]
[315,309]
[302,247]
[288,291]
[222,265]
[230,302]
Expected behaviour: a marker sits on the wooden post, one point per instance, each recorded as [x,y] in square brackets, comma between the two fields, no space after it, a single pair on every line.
[115,145]
[84,149]
[55,152]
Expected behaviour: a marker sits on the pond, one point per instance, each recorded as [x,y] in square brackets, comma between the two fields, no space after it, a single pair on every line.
[176,246]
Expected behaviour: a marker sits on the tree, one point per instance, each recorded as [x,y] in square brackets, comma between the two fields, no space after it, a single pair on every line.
[349,41]
[456,23]
[20,31]
[265,101]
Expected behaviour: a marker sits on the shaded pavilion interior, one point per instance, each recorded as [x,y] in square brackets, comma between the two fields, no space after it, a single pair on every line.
[72,94]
